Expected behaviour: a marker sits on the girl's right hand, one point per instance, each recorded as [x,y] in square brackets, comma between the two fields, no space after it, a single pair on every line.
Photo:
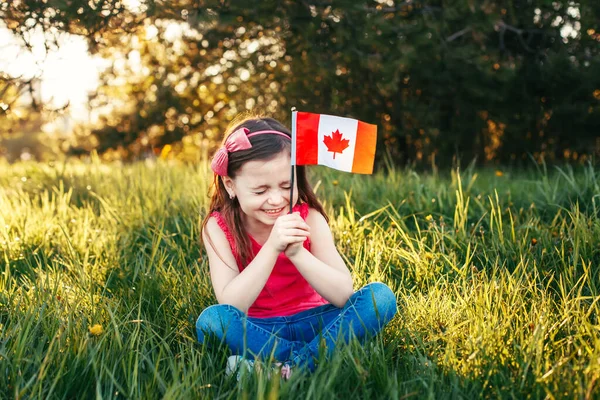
[288,229]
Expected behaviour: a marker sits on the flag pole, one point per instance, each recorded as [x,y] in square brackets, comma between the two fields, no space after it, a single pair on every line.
[293,163]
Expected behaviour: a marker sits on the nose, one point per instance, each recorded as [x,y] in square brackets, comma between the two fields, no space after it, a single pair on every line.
[276,197]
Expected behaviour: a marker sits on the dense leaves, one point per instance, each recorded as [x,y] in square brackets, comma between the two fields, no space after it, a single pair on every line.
[496,81]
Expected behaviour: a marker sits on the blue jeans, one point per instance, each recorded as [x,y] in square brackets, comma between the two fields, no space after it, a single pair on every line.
[295,339]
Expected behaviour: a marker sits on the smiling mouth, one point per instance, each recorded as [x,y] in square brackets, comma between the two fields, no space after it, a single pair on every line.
[276,211]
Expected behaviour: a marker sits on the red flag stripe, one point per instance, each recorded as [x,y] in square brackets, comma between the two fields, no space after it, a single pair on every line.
[307,137]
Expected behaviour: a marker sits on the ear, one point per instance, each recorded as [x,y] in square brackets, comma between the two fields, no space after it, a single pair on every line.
[229,185]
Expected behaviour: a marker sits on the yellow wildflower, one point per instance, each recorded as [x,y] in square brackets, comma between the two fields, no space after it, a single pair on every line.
[96,330]
[499,173]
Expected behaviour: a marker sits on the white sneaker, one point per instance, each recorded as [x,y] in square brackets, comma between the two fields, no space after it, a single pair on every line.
[232,364]
[236,363]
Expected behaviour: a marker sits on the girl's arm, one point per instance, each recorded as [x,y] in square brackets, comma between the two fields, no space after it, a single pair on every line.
[239,289]
[322,266]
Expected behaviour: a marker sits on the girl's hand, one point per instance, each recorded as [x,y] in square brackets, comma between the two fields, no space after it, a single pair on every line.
[293,249]
[288,230]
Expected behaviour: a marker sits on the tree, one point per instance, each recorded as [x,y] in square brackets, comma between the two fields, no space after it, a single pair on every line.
[495,81]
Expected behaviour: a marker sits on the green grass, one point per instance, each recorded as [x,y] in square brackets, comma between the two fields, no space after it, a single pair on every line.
[497,282]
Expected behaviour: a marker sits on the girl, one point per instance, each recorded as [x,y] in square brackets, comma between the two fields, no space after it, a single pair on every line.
[282,287]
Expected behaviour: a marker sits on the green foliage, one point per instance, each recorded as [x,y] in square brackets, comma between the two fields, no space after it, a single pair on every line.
[494,81]
[495,274]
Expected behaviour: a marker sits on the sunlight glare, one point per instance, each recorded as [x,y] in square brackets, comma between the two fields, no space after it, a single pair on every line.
[66,74]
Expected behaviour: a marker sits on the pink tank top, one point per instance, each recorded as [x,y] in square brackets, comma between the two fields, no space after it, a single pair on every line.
[286,291]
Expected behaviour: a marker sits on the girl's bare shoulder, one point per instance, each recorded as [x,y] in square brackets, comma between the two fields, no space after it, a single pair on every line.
[316,219]
[217,244]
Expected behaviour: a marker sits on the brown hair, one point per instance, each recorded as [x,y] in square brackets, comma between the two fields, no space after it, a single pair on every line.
[264,147]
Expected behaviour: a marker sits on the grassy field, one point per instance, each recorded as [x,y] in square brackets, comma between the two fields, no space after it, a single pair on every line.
[496,275]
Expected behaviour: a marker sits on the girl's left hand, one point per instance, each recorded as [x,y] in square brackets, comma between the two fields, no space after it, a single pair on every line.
[293,249]
[288,230]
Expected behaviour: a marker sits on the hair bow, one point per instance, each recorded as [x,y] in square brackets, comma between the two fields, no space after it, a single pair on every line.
[238,140]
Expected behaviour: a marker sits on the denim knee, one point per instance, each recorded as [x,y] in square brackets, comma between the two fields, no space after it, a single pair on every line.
[384,299]
[210,322]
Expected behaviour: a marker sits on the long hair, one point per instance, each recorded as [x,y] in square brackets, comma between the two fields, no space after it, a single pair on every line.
[264,147]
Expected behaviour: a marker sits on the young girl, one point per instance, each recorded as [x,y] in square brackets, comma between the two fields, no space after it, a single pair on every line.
[282,287]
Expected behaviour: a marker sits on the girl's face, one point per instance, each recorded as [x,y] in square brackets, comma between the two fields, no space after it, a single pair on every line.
[263,190]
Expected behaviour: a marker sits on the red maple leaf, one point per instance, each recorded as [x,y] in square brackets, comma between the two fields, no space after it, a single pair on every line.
[335,143]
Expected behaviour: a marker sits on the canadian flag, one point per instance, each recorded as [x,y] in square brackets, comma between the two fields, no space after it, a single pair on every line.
[342,143]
